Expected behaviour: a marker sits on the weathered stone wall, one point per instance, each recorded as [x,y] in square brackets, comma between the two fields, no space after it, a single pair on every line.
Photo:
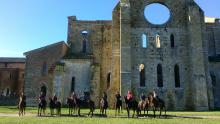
[80,70]
[98,46]
[34,77]
[187,53]
[213,38]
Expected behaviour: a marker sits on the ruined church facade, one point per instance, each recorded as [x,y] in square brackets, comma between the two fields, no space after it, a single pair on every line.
[177,59]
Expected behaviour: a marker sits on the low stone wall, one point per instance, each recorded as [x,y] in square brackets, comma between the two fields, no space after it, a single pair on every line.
[8,101]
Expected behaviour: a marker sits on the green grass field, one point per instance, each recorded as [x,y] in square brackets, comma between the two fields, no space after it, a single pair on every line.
[173,118]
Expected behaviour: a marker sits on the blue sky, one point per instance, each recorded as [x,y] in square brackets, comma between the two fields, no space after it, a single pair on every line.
[30,24]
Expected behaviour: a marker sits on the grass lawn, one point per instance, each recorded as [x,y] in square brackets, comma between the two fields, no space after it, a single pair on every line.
[31,118]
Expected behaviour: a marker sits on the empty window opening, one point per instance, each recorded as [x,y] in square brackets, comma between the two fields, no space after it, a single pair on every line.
[73,85]
[172,40]
[108,80]
[213,78]
[44,69]
[144,40]
[142,75]
[158,41]
[159,76]
[177,76]
[84,46]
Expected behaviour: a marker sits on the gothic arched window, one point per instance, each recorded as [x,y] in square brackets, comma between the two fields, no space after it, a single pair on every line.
[144,41]
[172,41]
[159,76]
[158,41]
[177,76]
[142,75]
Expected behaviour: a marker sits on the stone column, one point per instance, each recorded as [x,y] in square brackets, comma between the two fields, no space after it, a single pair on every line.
[125,31]
[196,59]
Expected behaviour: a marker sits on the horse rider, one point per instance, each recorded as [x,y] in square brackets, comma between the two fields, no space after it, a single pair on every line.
[118,96]
[54,98]
[105,96]
[129,95]
[73,96]
[42,96]
[22,99]
[142,97]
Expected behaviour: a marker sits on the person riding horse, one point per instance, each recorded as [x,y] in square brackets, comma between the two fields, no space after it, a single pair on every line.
[103,104]
[42,103]
[129,96]
[142,97]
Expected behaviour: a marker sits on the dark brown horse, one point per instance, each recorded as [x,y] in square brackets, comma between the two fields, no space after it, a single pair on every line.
[118,106]
[42,106]
[76,104]
[131,104]
[55,105]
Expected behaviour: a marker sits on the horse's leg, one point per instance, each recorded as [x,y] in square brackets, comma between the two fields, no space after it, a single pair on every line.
[128,111]
[78,111]
[160,111]
[154,109]
[165,111]
[24,110]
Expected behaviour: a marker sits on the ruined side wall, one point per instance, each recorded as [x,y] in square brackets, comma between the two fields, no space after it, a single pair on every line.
[33,71]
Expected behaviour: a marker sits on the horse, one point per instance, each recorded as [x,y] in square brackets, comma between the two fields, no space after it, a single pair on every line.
[118,106]
[55,105]
[131,104]
[103,107]
[42,106]
[71,105]
[22,106]
[155,104]
[77,105]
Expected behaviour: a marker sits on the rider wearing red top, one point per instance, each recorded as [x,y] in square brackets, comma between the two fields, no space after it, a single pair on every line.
[129,95]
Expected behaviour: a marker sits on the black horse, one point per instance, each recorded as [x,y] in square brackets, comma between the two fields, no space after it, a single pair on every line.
[118,106]
[77,104]
[131,104]
[55,105]
[42,106]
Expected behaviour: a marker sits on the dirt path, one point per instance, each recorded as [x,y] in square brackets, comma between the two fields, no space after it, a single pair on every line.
[169,116]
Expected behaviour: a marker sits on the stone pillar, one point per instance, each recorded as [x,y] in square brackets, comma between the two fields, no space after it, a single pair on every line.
[196,59]
[125,31]
[115,70]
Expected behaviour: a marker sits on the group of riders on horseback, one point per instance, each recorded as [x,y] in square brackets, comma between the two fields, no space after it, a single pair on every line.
[146,103]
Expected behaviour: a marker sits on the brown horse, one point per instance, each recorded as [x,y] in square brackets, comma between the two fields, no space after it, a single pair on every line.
[22,105]
[154,103]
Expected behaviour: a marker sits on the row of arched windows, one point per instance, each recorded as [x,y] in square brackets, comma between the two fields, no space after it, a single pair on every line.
[159,76]
[157,40]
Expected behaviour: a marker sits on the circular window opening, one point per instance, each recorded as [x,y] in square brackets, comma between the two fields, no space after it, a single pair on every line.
[157,13]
